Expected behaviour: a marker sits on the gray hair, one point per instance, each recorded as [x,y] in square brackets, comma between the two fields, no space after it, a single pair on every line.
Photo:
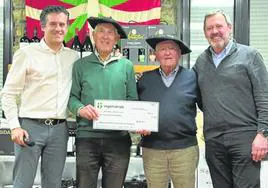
[52,9]
[213,13]
[98,25]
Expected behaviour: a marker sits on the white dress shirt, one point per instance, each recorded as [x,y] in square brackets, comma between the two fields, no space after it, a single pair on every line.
[40,79]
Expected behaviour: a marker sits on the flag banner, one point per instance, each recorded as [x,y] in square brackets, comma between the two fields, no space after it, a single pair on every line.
[126,12]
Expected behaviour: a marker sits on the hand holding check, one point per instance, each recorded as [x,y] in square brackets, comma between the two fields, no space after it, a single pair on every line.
[89,112]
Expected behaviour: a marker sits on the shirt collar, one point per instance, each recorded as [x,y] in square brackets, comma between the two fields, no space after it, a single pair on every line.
[111,58]
[173,72]
[225,51]
[46,47]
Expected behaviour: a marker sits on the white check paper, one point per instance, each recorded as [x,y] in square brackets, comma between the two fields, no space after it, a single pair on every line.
[127,115]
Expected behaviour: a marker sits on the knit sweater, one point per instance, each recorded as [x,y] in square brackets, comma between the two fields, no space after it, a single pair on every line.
[93,80]
[177,109]
[235,94]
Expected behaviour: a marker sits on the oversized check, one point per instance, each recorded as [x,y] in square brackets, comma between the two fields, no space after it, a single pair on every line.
[127,115]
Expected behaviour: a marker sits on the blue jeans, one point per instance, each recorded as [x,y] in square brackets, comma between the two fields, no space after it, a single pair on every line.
[111,155]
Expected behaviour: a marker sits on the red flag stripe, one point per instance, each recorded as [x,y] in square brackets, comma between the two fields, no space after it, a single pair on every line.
[128,7]
[40,4]
[135,5]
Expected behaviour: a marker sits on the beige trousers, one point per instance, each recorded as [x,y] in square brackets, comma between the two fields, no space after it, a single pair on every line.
[178,165]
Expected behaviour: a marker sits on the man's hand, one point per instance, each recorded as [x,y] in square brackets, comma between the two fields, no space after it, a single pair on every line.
[143,132]
[17,135]
[259,147]
[89,112]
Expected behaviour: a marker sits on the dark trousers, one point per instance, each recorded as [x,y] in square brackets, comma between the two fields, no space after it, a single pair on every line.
[111,155]
[229,160]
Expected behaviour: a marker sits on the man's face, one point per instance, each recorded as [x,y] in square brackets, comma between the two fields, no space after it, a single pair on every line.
[168,54]
[105,37]
[55,28]
[217,32]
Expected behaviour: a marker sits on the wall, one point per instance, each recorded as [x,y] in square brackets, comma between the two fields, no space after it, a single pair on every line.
[168,11]
[18,21]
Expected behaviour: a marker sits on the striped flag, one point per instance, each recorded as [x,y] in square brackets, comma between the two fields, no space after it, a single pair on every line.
[145,12]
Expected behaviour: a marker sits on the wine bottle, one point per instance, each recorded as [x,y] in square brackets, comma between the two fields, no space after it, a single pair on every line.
[71,142]
[117,51]
[87,47]
[35,38]
[126,53]
[64,43]
[141,56]
[76,45]
[24,40]
[139,150]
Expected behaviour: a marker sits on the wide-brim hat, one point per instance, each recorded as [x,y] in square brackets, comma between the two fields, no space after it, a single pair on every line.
[93,21]
[155,39]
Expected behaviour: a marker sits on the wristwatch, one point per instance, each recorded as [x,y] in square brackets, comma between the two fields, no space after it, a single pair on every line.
[264,131]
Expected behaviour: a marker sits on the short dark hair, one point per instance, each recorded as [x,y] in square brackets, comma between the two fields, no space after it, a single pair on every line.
[52,9]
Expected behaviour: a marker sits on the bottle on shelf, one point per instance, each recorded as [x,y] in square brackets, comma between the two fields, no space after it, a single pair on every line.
[24,40]
[87,47]
[71,142]
[117,51]
[76,45]
[64,43]
[139,150]
[126,53]
[35,38]
[141,55]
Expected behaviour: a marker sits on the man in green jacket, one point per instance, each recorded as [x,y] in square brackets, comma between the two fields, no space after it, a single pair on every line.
[101,75]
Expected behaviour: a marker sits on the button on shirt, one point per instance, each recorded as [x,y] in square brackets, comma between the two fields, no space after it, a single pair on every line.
[217,58]
[40,79]
[168,79]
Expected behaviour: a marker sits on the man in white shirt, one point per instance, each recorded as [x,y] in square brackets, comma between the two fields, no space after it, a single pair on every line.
[40,79]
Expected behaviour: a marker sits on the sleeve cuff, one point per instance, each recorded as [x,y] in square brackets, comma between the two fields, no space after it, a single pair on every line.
[14,123]
[78,110]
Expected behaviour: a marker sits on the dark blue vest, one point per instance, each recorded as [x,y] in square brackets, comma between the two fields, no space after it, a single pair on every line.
[177,109]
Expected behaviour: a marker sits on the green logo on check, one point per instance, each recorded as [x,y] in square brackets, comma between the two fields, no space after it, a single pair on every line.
[99,105]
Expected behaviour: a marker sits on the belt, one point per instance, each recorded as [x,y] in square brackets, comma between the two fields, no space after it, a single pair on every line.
[49,122]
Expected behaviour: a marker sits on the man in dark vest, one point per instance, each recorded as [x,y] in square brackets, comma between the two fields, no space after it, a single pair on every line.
[172,153]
